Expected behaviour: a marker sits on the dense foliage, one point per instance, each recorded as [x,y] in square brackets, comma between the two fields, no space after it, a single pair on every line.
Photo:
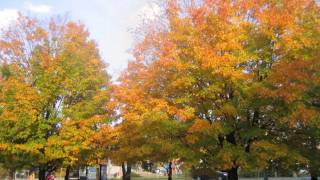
[53,92]
[215,85]
[236,82]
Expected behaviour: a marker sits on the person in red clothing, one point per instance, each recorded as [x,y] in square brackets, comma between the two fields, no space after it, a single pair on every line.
[50,177]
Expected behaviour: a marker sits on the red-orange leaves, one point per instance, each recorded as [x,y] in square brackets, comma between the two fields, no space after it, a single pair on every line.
[293,78]
[199,126]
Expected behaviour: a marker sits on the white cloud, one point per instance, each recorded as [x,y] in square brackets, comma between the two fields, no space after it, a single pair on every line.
[39,8]
[7,16]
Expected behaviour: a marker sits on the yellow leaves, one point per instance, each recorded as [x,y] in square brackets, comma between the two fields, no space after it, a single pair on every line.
[132,116]
[32,148]
[105,137]
[183,83]
[187,113]
[3,146]
[159,105]
[229,110]
[18,100]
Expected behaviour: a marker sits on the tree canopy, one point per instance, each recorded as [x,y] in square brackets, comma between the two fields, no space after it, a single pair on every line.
[53,92]
[216,85]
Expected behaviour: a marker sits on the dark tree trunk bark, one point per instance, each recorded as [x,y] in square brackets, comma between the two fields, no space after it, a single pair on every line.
[314,175]
[170,171]
[66,177]
[204,177]
[233,174]
[128,174]
[100,172]
[312,170]
[126,171]
[42,173]
[123,167]
[12,174]
[265,175]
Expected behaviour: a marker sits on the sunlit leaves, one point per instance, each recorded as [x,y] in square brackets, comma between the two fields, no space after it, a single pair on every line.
[225,70]
[54,89]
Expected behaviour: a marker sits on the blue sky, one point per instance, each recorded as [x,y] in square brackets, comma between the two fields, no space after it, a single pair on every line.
[109,21]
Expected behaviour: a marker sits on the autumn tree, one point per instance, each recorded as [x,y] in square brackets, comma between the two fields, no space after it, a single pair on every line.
[54,88]
[203,68]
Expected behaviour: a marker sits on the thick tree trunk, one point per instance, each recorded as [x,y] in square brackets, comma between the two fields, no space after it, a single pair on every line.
[12,174]
[66,177]
[126,171]
[42,174]
[314,176]
[233,174]
[170,171]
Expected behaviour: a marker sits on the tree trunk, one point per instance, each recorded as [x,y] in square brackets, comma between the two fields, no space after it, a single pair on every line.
[204,177]
[170,171]
[126,171]
[314,175]
[128,174]
[265,175]
[233,174]
[66,177]
[123,167]
[87,173]
[98,173]
[42,174]
[11,174]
